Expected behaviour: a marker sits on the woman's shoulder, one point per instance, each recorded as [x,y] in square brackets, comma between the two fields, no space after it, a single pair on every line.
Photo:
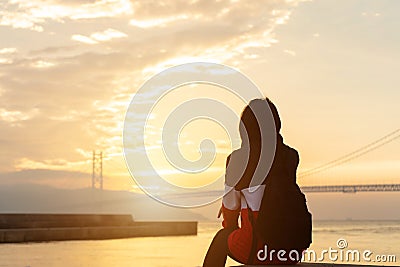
[292,155]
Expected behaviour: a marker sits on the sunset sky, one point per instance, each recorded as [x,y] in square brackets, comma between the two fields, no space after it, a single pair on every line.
[68,70]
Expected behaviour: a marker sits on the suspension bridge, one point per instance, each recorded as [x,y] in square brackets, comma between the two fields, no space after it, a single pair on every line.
[378,187]
[315,172]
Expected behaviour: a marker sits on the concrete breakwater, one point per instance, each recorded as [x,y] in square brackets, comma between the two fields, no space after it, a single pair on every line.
[16,228]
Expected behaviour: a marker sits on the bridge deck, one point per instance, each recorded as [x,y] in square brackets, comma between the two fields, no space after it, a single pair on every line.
[352,188]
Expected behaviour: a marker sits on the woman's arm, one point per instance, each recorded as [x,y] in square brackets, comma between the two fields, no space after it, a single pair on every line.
[230,205]
[231,209]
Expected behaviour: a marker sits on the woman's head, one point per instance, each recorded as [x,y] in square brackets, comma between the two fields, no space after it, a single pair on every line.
[249,125]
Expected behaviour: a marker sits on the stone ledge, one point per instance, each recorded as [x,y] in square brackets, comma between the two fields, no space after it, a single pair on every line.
[305,264]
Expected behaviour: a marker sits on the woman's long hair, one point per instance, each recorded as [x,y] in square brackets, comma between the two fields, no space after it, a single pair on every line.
[251,134]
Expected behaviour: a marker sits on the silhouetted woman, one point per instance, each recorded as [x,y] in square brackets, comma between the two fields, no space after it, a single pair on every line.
[274,217]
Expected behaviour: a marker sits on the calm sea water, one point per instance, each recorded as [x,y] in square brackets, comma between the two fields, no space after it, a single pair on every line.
[380,237]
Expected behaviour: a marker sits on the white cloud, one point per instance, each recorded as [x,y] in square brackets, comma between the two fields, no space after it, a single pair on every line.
[5,61]
[15,116]
[290,52]
[96,37]
[371,14]
[20,21]
[8,50]
[42,64]
[32,14]
[157,22]
[83,39]
[107,35]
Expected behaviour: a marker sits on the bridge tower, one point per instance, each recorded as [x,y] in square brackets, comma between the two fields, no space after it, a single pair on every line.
[97,170]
